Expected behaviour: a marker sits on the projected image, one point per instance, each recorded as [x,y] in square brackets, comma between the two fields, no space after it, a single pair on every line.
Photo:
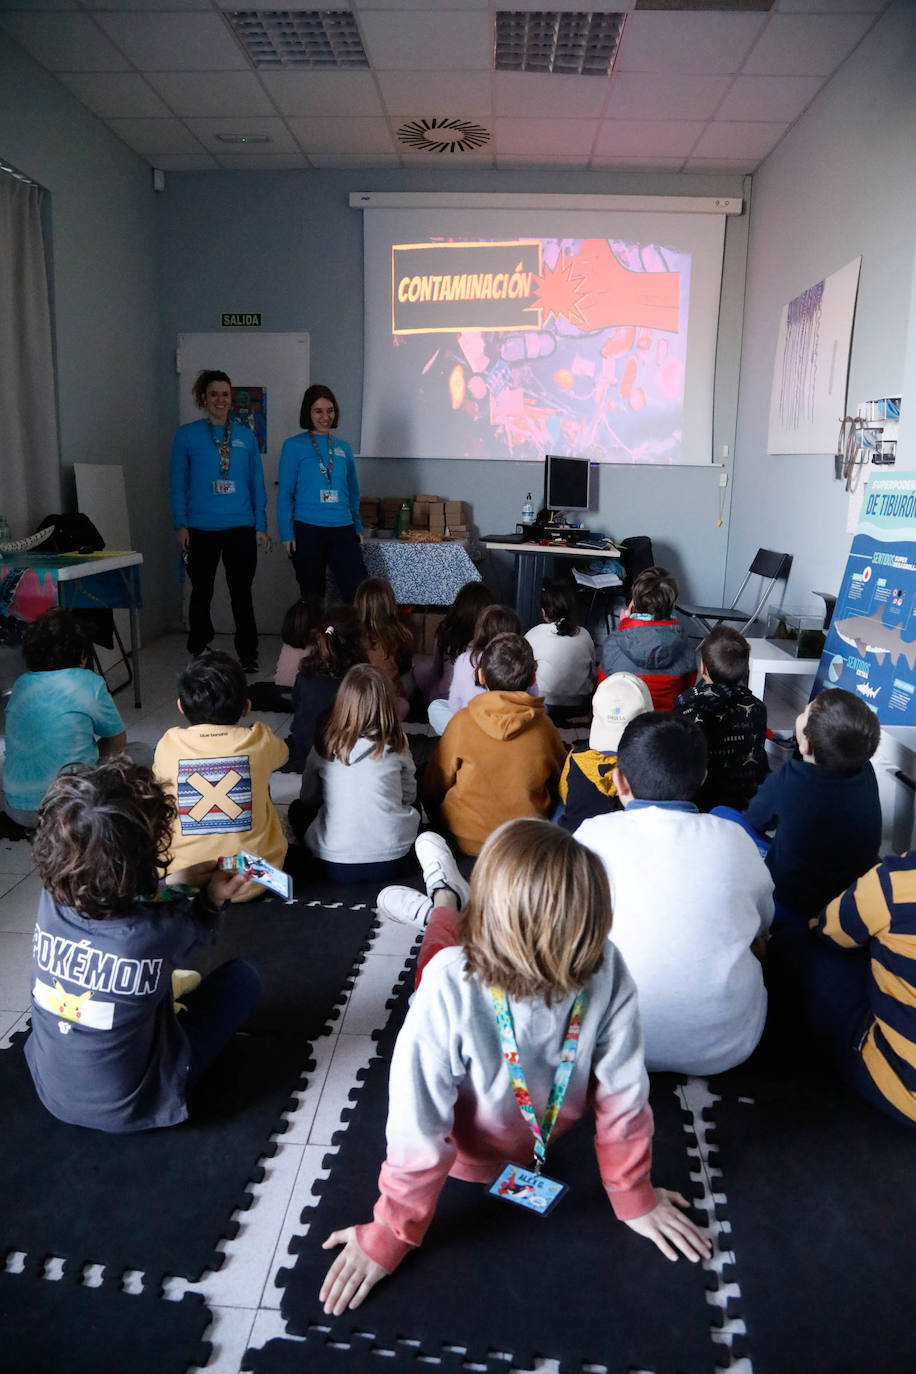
[520,347]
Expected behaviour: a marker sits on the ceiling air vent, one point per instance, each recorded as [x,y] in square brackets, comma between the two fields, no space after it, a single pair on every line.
[579,44]
[277,39]
[443,135]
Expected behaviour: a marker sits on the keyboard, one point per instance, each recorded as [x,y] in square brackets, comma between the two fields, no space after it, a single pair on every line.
[513,538]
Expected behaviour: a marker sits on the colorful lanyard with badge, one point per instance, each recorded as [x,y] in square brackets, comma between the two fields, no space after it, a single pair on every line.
[325,471]
[223,447]
[531,1188]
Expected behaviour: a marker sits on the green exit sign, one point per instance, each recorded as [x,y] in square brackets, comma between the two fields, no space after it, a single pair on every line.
[240,319]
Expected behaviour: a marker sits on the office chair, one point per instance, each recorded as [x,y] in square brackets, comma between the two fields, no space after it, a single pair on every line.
[635,556]
[770,567]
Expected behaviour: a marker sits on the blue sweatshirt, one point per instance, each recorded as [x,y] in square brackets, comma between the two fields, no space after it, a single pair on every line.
[313,497]
[203,498]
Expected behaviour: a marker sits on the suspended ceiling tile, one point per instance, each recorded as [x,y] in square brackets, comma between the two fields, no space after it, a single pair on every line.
[345,160]
[711,44]
[208,131]
[323,92]
[38,5]
[361,5]
[553,161]
[465,94]
[806,44]
[119,5]
[554,136]
[738,140]
[677,97]
[518,94]
[185,162]
[647,138]
[829,6]
[115,95]
[769,97]
[635,164]
[64,42]
[175,42]
[155,137]
[342,135]
[732,166]
[211,93]
[422,41]
[262,162]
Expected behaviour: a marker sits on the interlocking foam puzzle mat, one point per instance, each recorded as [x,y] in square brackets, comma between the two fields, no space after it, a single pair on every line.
[492,1278]
[160,1201]
[65,1325]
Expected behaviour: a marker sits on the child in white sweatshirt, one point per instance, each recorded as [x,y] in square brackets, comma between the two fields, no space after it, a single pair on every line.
[526,978]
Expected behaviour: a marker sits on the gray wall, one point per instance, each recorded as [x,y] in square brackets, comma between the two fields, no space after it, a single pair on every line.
[290,246]
[842,184]
[104,291]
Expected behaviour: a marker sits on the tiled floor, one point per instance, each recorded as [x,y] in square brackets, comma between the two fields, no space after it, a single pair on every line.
[241,1296]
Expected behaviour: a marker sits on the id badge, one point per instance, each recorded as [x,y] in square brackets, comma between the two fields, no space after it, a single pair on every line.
[526,1189]
[329,497]
[223,486]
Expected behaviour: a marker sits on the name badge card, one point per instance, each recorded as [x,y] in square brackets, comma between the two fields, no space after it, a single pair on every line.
[329,497]
[527,1189]
[223,486]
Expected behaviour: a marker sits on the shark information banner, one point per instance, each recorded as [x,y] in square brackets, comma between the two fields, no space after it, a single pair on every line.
[871,643]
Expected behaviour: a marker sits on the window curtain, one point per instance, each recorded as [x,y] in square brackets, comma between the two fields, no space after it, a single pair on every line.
[30,468]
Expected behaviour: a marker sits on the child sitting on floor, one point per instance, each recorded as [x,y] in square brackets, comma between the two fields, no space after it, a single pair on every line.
[334,647]
[493,620]
[732,719]
[691,896]
[387,639]
[824,805]
[500,756]
[433,674]
[59,712]
[525,994]
[218,772]
[650,643]
[107,1049]
[361,777]
[563,650]
[300,620]
[587,786]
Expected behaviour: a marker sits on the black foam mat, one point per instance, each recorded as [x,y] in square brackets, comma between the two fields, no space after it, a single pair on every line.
[577,1286]
[818,1190]
[281,1356]
[306,954]
[158,1201]
[64,1325]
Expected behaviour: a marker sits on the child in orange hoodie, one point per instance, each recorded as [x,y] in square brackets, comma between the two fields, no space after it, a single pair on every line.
[500,756]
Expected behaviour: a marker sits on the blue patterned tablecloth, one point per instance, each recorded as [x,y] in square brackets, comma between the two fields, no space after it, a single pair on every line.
[421,574]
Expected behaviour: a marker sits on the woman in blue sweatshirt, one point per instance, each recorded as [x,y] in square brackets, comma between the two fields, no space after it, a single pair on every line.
[318,500]
[219,509]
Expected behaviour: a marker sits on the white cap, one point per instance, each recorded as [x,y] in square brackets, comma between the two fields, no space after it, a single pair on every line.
[618,699]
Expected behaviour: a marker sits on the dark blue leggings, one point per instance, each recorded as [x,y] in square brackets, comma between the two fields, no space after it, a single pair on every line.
[216,1009]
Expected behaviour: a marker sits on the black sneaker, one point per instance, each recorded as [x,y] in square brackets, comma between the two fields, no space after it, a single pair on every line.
[250,665]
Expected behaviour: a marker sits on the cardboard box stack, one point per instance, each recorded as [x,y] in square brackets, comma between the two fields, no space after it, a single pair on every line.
[427,512]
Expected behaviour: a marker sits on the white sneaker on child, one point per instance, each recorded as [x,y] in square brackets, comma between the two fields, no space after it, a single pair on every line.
[405,905]
[439,867]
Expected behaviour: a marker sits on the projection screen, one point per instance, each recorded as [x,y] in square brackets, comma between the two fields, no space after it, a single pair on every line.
[507,334]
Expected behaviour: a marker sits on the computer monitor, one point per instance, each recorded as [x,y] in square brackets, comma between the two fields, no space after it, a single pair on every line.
[567,483]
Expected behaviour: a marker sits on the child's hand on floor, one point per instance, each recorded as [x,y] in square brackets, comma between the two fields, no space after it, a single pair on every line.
[670,1230]
[351,1277]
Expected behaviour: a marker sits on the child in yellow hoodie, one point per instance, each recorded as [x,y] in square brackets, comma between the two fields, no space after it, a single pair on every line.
[218,770]
[500,757]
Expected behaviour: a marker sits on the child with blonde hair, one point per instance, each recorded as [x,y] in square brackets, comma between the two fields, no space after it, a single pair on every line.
[361,777]
[387,639]
[525,1019]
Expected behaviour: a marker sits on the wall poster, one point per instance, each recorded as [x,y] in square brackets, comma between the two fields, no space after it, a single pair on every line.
[811,369]
[871,643]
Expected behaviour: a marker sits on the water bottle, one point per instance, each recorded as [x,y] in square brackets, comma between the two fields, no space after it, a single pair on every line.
[528,511]
[403,525]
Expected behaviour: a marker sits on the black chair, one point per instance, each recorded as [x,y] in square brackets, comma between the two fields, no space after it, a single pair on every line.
[635,555]
[770,567]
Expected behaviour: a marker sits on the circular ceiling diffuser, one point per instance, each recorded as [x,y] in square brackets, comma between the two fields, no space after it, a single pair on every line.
[443,135]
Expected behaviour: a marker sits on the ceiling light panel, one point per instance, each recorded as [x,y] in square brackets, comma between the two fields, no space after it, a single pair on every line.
[578,43]
[275,39]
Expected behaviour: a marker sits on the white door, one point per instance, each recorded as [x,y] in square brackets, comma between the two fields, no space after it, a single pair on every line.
[277,367]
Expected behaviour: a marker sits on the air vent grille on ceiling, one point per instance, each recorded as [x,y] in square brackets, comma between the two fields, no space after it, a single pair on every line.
[299,38]
[577,43]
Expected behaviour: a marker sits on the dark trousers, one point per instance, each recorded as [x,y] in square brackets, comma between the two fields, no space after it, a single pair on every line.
[239,551]
[319,547]
[216,1009]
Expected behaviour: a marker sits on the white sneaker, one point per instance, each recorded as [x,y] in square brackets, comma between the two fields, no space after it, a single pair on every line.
[439,867]
[405,905]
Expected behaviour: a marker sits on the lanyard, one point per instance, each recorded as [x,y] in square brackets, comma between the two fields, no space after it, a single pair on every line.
[540,1130]
[325,471]
[224,447]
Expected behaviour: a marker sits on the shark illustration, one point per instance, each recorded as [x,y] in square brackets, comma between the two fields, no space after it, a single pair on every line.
[870,692]
[869,635]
